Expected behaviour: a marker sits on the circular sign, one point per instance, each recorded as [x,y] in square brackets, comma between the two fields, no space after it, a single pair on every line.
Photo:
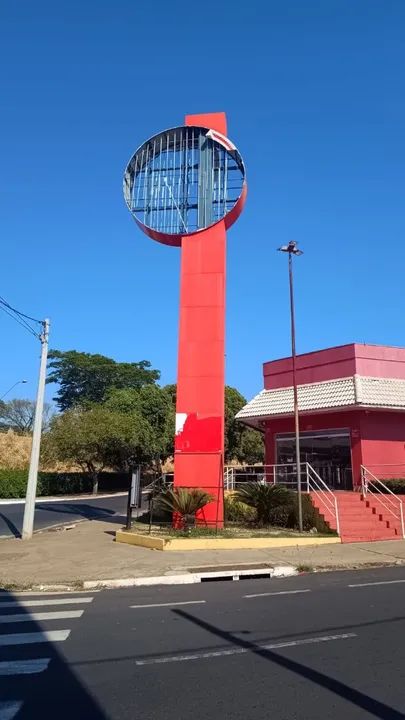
[183,181]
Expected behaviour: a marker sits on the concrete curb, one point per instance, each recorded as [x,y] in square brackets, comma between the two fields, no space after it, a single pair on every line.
[64,498]
[186,578]
[194,577]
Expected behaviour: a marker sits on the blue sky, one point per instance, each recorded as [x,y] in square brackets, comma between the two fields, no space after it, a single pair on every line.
[314,93]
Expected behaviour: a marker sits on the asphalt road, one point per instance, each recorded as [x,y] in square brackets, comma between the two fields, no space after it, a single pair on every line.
[318,646]
[51,513]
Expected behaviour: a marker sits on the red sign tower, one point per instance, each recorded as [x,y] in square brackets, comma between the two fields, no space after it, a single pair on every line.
[185,187]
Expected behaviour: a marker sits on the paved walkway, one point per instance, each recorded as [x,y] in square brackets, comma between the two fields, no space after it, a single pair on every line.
[88,552]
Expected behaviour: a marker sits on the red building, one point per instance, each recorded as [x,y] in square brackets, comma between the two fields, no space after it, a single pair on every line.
[352,412]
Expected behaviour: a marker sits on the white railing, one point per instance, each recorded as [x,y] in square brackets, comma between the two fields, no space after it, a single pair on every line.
[285,474]
[372,485]
[325,495]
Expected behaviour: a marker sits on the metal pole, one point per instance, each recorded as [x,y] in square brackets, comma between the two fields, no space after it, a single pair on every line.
[295,390]
[19,382]
[28,523]
[129,505]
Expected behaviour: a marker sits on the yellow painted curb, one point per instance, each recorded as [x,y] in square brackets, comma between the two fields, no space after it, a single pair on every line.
[155,543]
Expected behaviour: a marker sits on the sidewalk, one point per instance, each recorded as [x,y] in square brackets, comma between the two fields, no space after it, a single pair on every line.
[88,552]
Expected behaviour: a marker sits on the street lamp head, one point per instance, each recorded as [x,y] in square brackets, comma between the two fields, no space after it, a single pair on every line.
[24,381]
[291,248]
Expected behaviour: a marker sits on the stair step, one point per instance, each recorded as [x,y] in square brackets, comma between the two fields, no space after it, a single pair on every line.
[361,519]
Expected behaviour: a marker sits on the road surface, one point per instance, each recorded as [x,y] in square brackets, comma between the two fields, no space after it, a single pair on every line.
[329,645]
[54,513]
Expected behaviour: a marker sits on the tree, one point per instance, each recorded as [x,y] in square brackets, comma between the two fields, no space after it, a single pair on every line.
[84,378]
[154,405]
[251,448]
[234,402]
[98,438]
[19,414]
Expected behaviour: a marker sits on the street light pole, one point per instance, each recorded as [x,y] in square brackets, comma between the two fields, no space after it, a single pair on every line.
[292,249]
[28,522]
[19,382]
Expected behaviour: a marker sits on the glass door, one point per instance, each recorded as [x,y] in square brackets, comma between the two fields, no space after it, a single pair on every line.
[328,452]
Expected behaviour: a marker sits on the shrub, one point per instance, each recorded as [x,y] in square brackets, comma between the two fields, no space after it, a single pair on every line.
[238,512]
[268,501]
[276,505]
[396,485]
[13,483]
[184,502]
[310,516]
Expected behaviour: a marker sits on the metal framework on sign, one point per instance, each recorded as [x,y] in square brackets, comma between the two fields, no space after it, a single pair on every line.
[181,181]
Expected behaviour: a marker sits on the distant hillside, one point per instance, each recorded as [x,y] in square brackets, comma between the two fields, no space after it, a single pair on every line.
[15,450]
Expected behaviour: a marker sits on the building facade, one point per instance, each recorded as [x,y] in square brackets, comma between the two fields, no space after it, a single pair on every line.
[352,412]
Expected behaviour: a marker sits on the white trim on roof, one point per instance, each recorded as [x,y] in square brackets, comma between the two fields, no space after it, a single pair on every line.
[342,393]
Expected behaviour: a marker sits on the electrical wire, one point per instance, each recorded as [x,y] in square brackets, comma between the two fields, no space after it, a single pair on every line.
[4,302]
[19,317]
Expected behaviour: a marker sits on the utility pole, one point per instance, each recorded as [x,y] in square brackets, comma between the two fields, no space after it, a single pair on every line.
[292,249]
[28,523]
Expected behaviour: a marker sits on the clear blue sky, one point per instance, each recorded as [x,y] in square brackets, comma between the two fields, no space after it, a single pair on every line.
[314,93]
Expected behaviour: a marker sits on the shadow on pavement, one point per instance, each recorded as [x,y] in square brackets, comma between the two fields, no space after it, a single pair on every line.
[9,523]
[36,682]
[357,698]
[83,510]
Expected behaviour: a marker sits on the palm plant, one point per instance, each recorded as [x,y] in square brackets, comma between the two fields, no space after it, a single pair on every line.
[266,499]
[184,502]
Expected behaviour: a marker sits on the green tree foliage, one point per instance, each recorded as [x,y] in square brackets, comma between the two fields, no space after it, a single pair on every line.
[84,378]
[154,405]
[241,443]
[98,438]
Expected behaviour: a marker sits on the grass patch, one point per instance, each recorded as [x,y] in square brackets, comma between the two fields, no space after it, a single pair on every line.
[227,532]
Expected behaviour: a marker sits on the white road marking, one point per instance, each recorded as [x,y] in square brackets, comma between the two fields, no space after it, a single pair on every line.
[23,667]
[36,616]
[382,582]
[169,604]
[39,603]
[35,637]
[282,592]
[9,709]
[242,651]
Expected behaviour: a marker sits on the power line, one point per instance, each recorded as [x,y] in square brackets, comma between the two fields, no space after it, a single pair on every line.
[19,317]
[4,302]
[20,322]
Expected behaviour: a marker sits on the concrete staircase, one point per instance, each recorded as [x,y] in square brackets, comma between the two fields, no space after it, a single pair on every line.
[361,520]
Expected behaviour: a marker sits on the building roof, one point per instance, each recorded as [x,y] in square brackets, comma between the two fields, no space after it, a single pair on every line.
[360,391]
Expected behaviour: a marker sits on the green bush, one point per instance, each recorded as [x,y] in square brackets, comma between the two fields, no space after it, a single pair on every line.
[267,500]
[13,483]
[396,485]
[238,512]
[278,506]
[310,517]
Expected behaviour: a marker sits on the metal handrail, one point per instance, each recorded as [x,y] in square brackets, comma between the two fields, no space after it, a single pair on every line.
[376,484]
[325,494]
[309,479]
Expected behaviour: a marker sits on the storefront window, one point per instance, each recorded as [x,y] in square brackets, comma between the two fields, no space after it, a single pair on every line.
[327,451]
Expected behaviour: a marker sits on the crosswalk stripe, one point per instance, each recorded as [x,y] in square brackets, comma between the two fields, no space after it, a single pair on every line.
[35,637]
[39,603]
[23,667]
[31,617]
[9,709]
